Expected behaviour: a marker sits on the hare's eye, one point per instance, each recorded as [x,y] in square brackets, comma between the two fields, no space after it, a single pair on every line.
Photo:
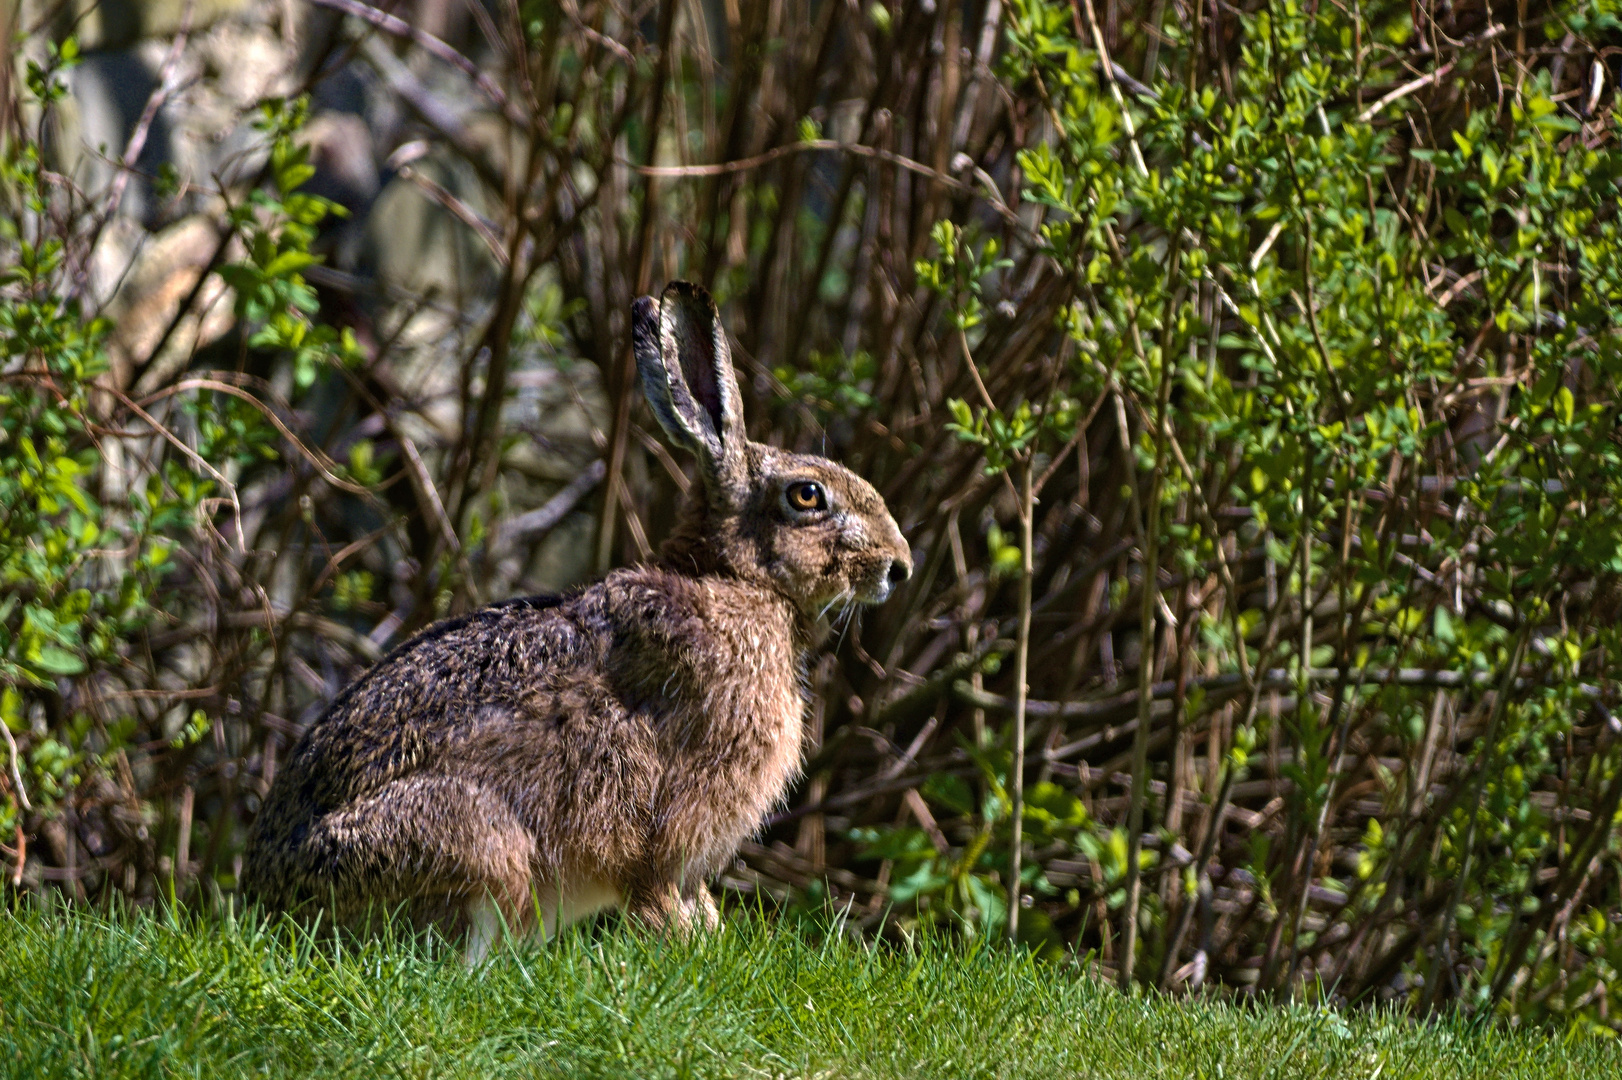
[806,495]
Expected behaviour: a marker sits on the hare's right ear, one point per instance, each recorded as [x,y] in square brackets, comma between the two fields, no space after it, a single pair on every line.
[686,368]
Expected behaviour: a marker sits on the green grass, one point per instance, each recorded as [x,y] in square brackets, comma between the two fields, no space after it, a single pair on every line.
[131,995]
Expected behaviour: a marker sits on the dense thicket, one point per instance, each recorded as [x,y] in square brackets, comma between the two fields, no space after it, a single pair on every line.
[1245,375]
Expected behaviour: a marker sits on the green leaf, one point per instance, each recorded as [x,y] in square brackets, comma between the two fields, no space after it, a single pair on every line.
[292,177]
[949,791]
[58,661]
[289,262]
[1444,626]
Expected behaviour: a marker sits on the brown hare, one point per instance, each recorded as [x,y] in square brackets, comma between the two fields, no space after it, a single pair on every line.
[540,759]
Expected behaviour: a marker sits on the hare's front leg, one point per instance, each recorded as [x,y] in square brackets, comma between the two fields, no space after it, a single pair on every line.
[668,907]
[701,908]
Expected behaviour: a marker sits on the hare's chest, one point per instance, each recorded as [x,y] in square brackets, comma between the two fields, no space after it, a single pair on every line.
[780,730]
[745,751]
[758,718]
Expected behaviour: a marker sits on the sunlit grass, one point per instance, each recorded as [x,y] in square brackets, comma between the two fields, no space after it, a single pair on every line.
[136,995]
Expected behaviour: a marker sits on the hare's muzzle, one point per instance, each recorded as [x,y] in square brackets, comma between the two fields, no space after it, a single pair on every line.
[899,570]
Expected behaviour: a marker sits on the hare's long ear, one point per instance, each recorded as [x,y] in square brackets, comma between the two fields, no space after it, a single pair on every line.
[686,368]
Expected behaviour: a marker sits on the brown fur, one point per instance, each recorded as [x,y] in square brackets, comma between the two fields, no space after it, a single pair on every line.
[549,756]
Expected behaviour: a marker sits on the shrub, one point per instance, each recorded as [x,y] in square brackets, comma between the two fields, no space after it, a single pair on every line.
[1364,379]
[112,507]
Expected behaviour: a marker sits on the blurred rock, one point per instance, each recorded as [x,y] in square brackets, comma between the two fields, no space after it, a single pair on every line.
[117,24]
[110,90]
[415,244]
[346,172]
[162,274]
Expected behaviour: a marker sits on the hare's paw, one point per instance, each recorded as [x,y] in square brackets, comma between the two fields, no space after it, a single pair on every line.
[485,926]
[702,912]
[669,909]
[550,908]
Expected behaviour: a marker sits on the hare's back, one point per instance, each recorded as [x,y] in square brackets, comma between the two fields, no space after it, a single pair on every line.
[425,697]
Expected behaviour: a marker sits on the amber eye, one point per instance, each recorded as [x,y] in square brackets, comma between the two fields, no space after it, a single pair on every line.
[806,495]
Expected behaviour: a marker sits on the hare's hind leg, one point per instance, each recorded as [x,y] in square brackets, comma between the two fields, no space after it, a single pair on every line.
[451,850]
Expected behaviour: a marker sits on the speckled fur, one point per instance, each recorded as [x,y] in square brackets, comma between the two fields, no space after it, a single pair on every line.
[549,756]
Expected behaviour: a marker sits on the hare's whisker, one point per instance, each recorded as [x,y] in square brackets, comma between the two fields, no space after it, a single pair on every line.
[844,618]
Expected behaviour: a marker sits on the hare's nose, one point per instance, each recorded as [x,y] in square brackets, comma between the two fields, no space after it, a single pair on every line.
[899,572]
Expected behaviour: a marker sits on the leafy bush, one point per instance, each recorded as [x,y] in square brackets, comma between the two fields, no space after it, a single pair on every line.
[1383,371]
[108,503]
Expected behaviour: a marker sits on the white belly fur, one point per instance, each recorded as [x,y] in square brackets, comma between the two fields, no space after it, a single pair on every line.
[557,909]
[576,901]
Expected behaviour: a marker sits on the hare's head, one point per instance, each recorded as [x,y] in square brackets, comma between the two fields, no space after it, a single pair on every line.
[811,529]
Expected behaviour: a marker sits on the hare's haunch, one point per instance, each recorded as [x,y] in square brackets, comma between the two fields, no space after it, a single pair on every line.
[539,759]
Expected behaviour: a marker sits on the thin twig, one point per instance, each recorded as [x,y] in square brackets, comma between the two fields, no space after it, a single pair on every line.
[1022,660]
[826,146]
[196,458]
[425,484]
[1403,91]
[433,46]
[16,772]
[464,213]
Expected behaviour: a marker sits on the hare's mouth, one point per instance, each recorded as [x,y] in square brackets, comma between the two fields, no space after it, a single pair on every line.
[840,608]
[875,594]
